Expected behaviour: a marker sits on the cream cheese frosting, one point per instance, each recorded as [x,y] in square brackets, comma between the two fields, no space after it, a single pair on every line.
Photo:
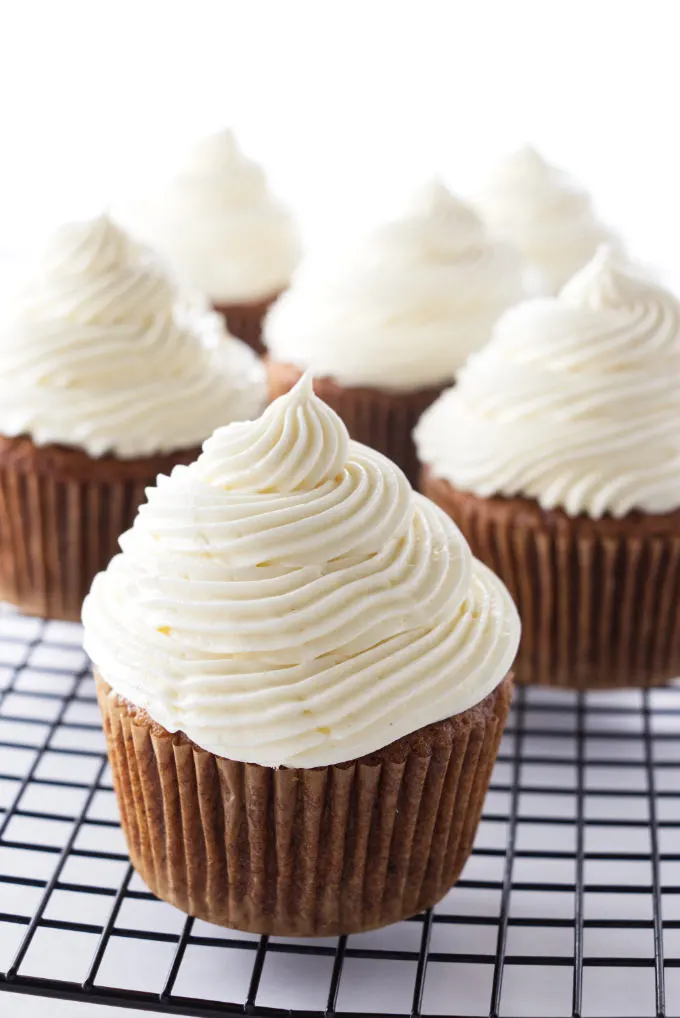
[575,402]
[289,600]
[405,307]
[97,351]
[545,214]
[214,219]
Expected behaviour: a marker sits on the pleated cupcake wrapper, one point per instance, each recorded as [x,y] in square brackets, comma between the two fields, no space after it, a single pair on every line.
[599,599]
[383,420]
[245,321]
[302,852]
[60,520]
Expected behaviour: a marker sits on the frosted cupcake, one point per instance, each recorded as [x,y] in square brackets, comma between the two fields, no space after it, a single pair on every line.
[385,326]
[302,675]
[558,455]
[545,214]
[103,385]
[216,222]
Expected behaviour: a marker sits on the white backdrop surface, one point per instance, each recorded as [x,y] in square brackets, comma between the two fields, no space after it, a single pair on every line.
[347,103]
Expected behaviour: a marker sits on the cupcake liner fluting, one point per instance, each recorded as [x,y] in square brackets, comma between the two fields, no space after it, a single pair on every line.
[302,852]
[61,514]
[599,599]
[244,320]
[384,420]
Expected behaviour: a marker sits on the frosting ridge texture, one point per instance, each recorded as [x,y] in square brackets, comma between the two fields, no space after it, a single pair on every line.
[575,402]
[289,600]
[545,214]
[98,352]
[216,222]
[405,307]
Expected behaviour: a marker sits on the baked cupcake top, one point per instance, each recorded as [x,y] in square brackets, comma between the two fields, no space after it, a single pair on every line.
[545,214]
[215,220]
[289,600]
[404,308]
[96,352]
[575,402]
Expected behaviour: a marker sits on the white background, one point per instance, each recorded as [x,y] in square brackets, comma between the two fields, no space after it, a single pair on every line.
[348,103]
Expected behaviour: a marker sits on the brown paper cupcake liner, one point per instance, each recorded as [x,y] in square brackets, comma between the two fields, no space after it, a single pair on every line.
[245,320]
[61,514]
[302,852]
[382,420]
[599,599]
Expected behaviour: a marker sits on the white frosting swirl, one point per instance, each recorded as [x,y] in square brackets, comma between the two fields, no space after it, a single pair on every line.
[96,352]
[405,308]
[540,210]
[216,222]
[575,402]
[289,600]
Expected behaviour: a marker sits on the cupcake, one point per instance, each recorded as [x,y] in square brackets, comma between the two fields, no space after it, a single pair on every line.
[546,215]
[302,673]
[215,221]
[384,327]
[104,384]
[558,456]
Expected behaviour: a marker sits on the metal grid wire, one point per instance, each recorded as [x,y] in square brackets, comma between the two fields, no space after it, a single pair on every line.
[569,905]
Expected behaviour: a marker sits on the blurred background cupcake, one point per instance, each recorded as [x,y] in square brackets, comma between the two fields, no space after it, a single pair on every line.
[105,381]
[213,218]
[302,673]
[384,325]
[547,216]
[558,455]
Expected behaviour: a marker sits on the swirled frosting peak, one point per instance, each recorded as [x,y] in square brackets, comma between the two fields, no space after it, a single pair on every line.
[215,220]
[602,283]
[289,449]
[97,352]
[91,271]
[545,214]
[289,600]
[403,308]
[443,224]
[575,402]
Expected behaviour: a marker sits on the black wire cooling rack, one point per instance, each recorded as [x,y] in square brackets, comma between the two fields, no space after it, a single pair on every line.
[569,905]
